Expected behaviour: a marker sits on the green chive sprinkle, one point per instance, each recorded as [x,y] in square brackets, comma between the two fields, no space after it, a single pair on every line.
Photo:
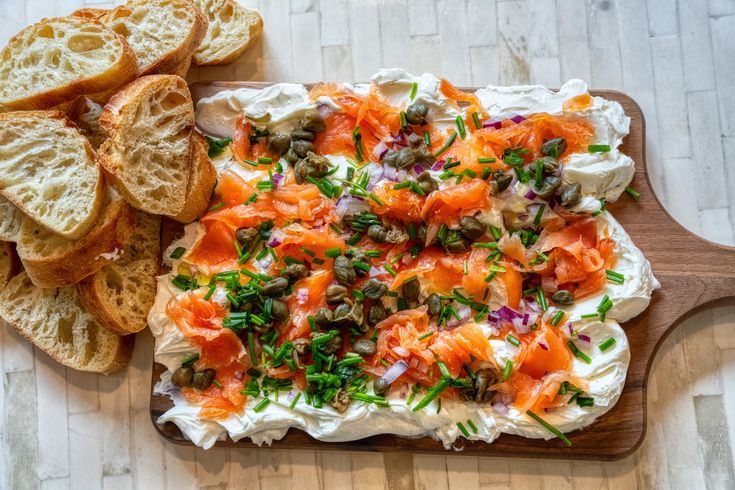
[539,215]
[295,401]
[414,89]
[476,119]
[451,164]
[265,160]
[598,148]
[251,348]
[472,425]
[404,122]
[461,128]
[217,206]
[507,370]
[589,315]
[427,138]
[443,369]
[177,253]
[432,394]
[510,338]
[615,277]
[260,406]
[425,335]
[446,146]
[557,317]
[189,360]
[462,428]
[550,428]
[486,160]
[217,384]
[212,287]
[633,192]
[607,344]
[496,268]
[578,353]
[390,270]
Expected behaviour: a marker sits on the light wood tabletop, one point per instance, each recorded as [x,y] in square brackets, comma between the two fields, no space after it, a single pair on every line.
[64,429]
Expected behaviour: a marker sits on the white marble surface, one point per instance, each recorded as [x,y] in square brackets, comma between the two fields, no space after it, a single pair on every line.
[62,429]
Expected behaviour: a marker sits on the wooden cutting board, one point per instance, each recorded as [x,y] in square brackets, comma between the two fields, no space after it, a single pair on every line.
[693,272]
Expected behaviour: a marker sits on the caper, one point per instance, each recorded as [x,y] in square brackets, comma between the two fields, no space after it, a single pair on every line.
[275,287]
[550,165]
[335,294]
[377,233]
[333,345]
[548,186]
[312,166]
[279,143]
[405,158]
[562,297]
[416,113]
[291,157]
[396,235]
[434,303]
[426,182]
[300,134]
[341,400]
[457,246]
[374,289]
[381,387]
[302,147]
[376,314]
[264,328]
[554,147]
[246,237]
[302,346]
[364,347]
[344,271]
[312,121]
[294,272]
[279,310]
[411,290]
[360,257]
[183,376]
[501,181]
[424,156]
[390,158]
[203,379]
[484,378]
[253,372]
[323,317]
[571,195]
[471,227]
[414,140]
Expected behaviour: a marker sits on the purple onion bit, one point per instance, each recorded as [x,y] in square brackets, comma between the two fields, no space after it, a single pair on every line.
[438,164]
[518,119]
[494,125]
[583,338]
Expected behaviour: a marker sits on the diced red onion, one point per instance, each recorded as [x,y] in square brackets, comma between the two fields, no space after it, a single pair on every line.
[493,317]
[324,110]
[401,351]
[349,205]
[276,238]
[374,271]
[533,209]
[520,327]
[508,314]
[542,343]
[273,242]
[583,338]
[265,262]
[570,328]
[464,313]
[395,371]
[518,119]
[494,125]
[390,173]
[291,395]
[418,169]
[438,164]
[277,178]
[302,295]
[525,319]
[530,194]
[399,138]
[380,149]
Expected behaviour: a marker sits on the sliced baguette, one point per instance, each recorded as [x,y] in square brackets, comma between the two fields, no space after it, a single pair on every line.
[85,113]
[8,264]
[182,69]
[202,177]
[120,294]
[10,220]
[55,321]
[149,125]
[89,13]
[163,33]
[52,261]
[49,171]
[232,29]
[56,60]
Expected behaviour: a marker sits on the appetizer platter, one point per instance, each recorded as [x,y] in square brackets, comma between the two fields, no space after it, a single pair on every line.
[364,223]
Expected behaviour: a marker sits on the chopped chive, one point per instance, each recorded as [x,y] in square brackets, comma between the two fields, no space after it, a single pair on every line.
[615,277]
[217,384]
[485,160]
[260,406]
[589,315]
[426,335]
[462,428]
[470,173]
[447,144]
[472,426]
[212,287]
[490,276]
[507,370]
[578,353]
[432,394]
[451,164]
[476,120]
[353,239]
[484,245]
[336,229]
[633,192]
[585,401]
[460,127]
[495,231]
[265,160]
[390,270]
[443,369]
[598,148]
[427,138]
[217,206]
[253,197]
[251,348]
[541,299]
[250,162]
[295,401]
[217,146]
[550,428]
[375,198]
[189,360]
[404,122]
[557,317]
[510,338]
[465,268]
[414,89]
[307,251]
[539,177]
[539,214]
[607,344]
[333,252]
[496,268]
[177,253]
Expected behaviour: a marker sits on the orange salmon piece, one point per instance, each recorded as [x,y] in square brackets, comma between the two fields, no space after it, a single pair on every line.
[400,204]
[535,361]
[316,284]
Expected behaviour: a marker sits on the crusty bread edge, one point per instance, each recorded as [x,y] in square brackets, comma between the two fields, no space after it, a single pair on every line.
[199,191]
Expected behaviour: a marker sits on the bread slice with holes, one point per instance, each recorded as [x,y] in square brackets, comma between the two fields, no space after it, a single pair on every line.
[147,152]
[232,29]
[89,13]
[10,219]
[55,321]
[120,294]
[202,178]
[56,60]
[163,33]
[8,264]
[49,171]
[53,261]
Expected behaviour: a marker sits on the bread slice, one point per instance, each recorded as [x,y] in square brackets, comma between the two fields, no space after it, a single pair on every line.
[10,219]
[89,13]
[53,261]
[85,113]
[120,294]
[55,321]
[49,171]
[57,60]
[182,69]
[149,125]
[8,264]
[232,29]
[202,177]
[163,33]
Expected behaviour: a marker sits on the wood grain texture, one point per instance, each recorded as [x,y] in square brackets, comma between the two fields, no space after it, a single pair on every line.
[694,273]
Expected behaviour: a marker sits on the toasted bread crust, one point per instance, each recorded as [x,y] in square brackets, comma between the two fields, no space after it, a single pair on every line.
[125,69]
[202,178]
